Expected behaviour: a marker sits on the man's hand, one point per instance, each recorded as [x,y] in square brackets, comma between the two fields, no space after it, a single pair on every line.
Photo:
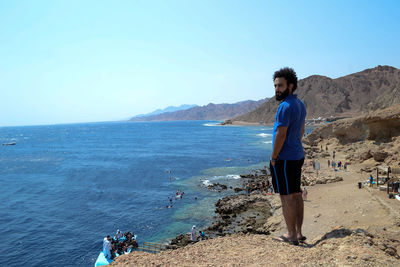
[280,138]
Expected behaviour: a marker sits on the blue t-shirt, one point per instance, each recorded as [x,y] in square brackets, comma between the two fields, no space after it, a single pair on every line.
[291,113]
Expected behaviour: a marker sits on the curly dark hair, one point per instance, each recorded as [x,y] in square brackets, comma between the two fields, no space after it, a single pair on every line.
[289,74]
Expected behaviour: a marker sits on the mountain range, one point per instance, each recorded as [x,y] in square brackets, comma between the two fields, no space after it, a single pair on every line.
[207,112]
[167,109]
[347,96]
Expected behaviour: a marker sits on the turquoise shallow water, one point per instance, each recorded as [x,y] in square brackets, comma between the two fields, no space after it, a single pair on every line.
[64,187]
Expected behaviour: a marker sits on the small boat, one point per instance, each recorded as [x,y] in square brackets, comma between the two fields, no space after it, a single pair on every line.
[9,144]
[397,197]
[102,260]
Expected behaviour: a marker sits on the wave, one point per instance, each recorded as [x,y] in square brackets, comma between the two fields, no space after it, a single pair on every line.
[233,176]
[221,177]
[211,124]
[267,142]
[264,135]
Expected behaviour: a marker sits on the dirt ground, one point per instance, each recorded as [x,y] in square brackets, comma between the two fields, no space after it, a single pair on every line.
[343,203]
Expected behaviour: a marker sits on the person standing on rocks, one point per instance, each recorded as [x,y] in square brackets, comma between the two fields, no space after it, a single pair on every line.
[193,236]
[287,156]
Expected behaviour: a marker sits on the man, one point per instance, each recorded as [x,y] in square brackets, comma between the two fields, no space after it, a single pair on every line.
[287,156]
[305,193]
[193,236]
[107,247]
[119,235]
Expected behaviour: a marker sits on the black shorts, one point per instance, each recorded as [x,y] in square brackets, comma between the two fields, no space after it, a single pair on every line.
[286,176]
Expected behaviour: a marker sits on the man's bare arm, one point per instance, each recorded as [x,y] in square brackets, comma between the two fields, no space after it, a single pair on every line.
[280,138]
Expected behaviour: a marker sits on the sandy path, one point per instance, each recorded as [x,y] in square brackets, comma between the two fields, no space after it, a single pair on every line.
[342,203]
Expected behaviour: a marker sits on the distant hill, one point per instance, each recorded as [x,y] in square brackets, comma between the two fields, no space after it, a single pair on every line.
[167,109]
[208,112]
[350,95]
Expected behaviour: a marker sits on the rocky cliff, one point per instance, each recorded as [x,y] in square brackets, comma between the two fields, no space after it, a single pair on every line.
[375,136]
[379,126]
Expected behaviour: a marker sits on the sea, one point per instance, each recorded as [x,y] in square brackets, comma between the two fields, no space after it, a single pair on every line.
[63,188]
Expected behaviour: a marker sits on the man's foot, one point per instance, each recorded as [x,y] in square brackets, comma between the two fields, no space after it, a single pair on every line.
[283,238]
[301,238]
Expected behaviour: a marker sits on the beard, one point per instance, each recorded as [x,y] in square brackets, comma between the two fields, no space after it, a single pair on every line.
[280,96]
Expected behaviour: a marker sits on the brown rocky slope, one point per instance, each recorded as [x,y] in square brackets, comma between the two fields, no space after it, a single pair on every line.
[350,95]
[340,247]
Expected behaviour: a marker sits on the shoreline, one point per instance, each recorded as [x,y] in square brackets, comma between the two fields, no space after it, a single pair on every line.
[269,124]
[335,207]
[238,206]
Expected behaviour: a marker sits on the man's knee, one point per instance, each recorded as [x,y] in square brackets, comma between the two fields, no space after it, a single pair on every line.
[293,196]
[291,200]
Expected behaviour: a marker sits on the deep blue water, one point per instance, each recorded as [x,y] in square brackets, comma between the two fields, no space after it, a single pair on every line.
[64,187]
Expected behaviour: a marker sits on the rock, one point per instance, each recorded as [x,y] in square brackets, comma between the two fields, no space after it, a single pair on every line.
[391,251]
[217,186]
[381,125]
[241,213]
[380,156]
[226,217]
[366,258]
[325,154]
[272,223]
[227,122]
[365,155]
[179,241]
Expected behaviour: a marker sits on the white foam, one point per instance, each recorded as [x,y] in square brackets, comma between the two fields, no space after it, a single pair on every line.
[233,176]
[264,135]
[267,142]
[206,182]
[211,124]
[222,177]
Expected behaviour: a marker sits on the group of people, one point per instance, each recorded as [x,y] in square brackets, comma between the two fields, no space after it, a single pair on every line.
[339,164]
[194,237]
[119,244]
[178,195]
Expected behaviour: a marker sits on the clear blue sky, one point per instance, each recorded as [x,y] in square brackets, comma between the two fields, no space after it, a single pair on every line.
[83,61]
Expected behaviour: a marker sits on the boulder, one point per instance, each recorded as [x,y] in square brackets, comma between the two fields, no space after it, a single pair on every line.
[365,155]
[380,156]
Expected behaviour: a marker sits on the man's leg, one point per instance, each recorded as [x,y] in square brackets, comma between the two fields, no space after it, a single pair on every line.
[289,210]
[299,213]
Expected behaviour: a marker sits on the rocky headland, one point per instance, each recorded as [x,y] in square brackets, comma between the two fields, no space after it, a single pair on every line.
[345,225]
